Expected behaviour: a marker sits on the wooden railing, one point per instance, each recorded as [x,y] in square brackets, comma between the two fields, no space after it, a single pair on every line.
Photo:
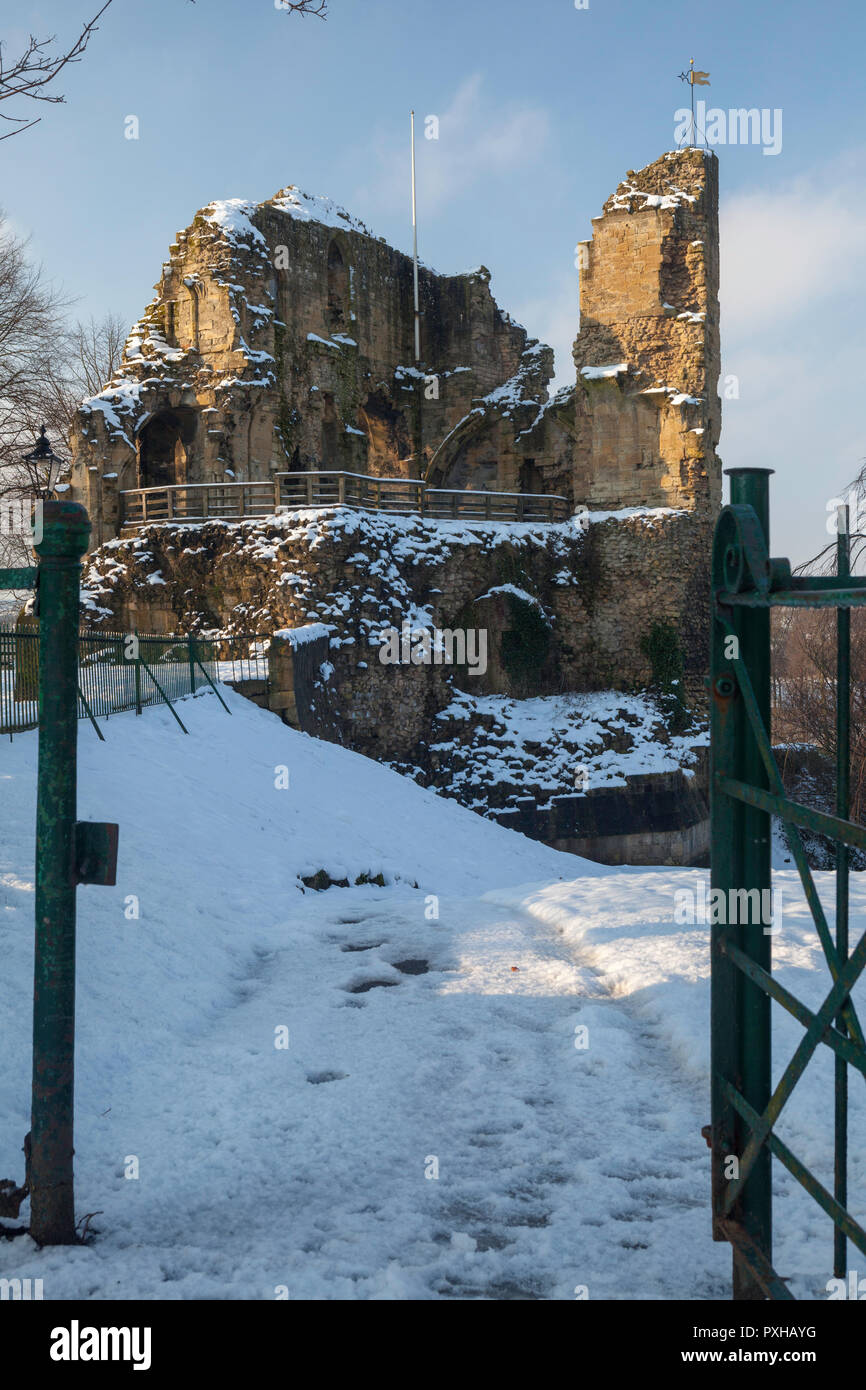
[291,491]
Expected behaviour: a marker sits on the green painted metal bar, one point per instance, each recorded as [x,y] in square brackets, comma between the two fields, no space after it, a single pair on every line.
[24,578]
[66,529]
[843,807]
[191,658]
[795,1068]
[795,598]
[760,1269]
[212,686]
[815,583]
[792,811]
[841,1044]
[842,1219]
[794,839]
[162,693]
[137,675]
[726,873]
[750,487]
[89,712]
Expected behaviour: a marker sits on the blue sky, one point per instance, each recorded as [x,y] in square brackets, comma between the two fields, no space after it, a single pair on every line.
[542,108]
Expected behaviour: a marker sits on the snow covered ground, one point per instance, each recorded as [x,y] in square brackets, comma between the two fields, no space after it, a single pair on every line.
[440,1125]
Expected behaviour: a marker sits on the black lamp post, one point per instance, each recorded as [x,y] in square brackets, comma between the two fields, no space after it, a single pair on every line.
[43,467]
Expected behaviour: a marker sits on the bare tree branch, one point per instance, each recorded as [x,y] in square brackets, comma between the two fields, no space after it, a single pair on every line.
[28,76]
[35,69]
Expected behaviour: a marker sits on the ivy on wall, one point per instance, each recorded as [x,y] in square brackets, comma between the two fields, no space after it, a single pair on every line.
[661,646]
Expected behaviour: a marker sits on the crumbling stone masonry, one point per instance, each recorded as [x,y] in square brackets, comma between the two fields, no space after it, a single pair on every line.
[647,354]
[280,339]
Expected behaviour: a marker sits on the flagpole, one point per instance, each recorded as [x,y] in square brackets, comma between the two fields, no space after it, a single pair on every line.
[415,248]
[692,90]
[418,445]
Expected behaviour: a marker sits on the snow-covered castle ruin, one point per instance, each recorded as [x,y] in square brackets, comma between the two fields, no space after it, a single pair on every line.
[281,339]
[280,345]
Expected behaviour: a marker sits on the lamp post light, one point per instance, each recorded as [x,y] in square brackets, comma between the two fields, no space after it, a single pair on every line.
[44,468]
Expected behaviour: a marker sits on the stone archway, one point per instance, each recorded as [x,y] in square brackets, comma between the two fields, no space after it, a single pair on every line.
[165,444]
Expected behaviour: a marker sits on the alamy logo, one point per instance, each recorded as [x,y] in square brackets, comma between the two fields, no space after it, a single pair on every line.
[855,1289]
[424,646]
[739,126]
[736,907]
[21,516]
[23,1289]
[76,1343]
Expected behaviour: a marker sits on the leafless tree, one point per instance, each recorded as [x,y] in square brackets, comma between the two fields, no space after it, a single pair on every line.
[804,690]
[804,659]
[46,367]
[85,357]
[29,76]
[32,327]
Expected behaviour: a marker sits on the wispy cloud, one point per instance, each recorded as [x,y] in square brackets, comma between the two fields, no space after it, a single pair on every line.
[477,139]
[793,269]
[784,249]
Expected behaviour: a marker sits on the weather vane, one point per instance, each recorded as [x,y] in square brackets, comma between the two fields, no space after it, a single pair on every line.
[695,78]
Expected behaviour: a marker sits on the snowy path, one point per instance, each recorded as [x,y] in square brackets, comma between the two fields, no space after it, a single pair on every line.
[416,1046]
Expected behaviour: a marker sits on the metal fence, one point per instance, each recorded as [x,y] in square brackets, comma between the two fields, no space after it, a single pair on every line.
[749,1089]
[124,671]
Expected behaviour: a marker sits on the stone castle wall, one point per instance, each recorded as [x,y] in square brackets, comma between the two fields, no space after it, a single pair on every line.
[647,354]
[280,339]
[558,589]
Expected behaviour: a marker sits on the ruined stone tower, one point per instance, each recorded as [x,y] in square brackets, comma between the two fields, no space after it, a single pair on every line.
[647,355]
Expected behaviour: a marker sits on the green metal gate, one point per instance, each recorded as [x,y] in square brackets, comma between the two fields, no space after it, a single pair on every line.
[68,852]
[746,791]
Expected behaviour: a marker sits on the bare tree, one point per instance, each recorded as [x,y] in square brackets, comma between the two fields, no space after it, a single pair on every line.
[85,357]
[29,76]
[804,690]
[33,334]
[95,350]
[32,327]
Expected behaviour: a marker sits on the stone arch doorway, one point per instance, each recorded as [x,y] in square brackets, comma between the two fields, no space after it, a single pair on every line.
[530,477]
[165,446]
[338,288]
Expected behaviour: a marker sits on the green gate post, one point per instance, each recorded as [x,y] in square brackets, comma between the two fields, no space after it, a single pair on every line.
[843,797]
[741,837]
[137,675]
[66,529]
[191,655]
